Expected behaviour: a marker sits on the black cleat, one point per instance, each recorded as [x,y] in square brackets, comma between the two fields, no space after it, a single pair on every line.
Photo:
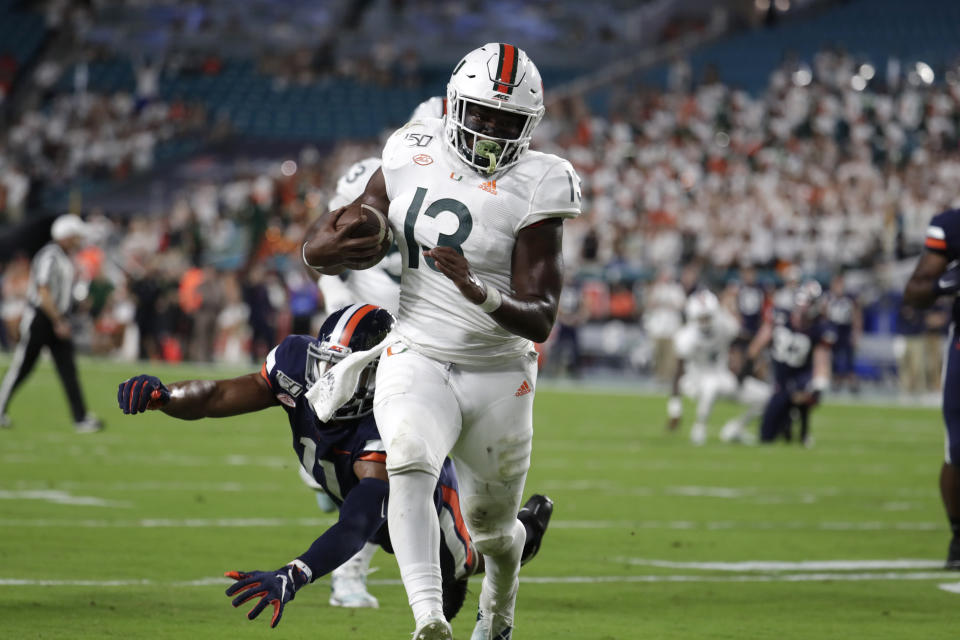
[454,593]
[535,516]
[953,555]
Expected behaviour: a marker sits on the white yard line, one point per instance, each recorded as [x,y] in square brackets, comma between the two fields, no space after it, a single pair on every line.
[806,565]
[765,578]
[678,525]
[60,497]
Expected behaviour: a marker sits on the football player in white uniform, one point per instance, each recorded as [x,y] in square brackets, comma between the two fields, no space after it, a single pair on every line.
[703,372]
[378,285]
[478,221]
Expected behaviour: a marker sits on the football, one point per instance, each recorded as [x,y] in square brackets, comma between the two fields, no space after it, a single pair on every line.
[371,222]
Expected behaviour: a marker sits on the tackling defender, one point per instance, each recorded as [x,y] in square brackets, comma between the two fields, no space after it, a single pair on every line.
[938,274]
[801,341]
[477,217]
[703,373]
[345,456]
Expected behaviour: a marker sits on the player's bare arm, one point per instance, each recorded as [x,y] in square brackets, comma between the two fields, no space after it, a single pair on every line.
[195,399]
[537,268]
[329,249]
[922,290]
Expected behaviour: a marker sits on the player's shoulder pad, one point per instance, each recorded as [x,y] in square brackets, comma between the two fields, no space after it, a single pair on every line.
[944,232]
[415,137]
[556,188]
[684,341]
[286,365]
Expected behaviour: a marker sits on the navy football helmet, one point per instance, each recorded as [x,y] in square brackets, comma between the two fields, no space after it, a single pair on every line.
[359,327]
[809,300]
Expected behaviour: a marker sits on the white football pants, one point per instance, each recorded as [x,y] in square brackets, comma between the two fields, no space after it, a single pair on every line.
[482,417]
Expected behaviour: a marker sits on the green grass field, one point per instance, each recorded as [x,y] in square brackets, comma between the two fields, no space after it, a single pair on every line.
[123,534]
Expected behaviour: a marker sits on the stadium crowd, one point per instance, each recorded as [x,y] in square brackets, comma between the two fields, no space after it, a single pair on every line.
[836,167]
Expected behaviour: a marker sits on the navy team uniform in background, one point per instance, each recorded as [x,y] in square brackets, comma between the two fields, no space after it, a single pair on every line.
[943,237]
[328,452]
[840,311]
[792,355]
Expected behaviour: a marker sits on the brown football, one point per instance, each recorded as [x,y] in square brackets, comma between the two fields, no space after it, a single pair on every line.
[371,222]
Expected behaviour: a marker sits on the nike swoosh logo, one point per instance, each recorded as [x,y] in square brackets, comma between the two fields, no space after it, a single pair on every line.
[283,588]
[383,508]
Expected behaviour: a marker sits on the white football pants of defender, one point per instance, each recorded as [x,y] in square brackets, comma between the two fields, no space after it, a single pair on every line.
[482,417]
[705,387]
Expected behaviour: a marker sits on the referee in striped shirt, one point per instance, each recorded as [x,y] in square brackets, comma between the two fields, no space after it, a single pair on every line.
[45,322]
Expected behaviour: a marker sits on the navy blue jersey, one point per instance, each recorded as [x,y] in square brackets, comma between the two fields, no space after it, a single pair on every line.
[792,350]
[943,238]
[326,450]
[750,302]
[841,310]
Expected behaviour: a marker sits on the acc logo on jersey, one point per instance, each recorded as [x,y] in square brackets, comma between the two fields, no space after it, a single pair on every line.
[291,386]
[287,400]
[422,159]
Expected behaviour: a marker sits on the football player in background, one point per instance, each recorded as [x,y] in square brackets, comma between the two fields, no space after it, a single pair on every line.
[703,372]
[478,220]
[938,274]
[378,285]
[344,455]
[800,345]
[844,313]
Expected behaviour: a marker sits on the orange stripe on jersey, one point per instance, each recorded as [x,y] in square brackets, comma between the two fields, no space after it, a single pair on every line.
[374,456]
[936,243]
[263,374]
[354,321]
[451,498]
[508,67]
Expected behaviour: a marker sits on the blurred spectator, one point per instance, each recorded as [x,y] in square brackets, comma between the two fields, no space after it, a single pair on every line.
[663,309]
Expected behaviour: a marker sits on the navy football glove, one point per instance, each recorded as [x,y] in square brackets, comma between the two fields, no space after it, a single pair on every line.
[272,587]
[140,393]
[949,281]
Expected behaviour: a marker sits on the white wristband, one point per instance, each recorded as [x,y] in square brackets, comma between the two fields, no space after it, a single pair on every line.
[300,564]
[675,407]
[493,300]
[820,384]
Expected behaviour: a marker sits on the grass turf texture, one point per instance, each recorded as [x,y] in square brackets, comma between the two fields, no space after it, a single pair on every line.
[177,503]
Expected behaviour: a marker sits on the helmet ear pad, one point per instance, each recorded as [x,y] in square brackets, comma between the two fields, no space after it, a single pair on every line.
[358,327]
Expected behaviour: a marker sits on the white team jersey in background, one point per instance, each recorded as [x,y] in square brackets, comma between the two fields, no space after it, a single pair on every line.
[702,352]
[435,199]
[380,284]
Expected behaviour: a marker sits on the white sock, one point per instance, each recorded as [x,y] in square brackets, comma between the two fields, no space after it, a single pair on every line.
[499,592]
[415,534]
[359,564]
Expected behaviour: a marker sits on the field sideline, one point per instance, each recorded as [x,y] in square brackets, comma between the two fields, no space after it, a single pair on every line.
[124,534]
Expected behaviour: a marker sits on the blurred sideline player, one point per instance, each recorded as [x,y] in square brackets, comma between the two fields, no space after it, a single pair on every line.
[938,274]
[378,285]
[844,314]
[478,222]
[800,347]
[345,456]
[703,372]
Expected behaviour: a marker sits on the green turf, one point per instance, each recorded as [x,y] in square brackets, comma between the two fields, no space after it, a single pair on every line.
[628,497]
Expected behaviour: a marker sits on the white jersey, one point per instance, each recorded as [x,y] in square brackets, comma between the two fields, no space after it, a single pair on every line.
[380,284]
[437,200]
[706,351]
[435,107]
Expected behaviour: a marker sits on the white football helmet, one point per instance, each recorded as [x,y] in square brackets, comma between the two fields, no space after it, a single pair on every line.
[501,77]
[702,308]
